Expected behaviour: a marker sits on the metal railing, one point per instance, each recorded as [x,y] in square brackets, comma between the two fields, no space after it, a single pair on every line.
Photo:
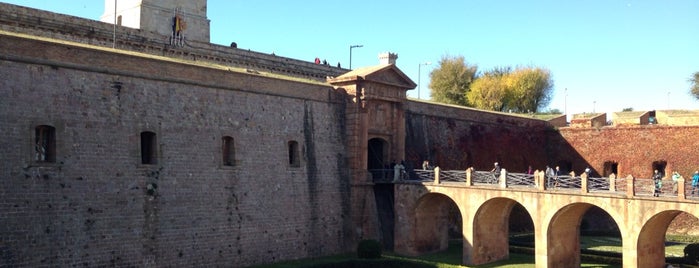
[593,185]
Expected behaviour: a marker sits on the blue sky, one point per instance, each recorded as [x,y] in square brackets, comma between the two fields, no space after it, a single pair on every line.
[608,54]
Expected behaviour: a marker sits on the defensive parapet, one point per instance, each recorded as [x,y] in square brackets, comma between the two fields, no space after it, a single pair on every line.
[47,24]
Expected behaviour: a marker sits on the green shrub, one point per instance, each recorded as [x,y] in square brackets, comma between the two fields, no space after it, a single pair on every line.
[691,253]
[369,249]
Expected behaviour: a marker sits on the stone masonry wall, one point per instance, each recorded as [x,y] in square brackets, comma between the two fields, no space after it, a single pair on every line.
[99,206]
[453,137]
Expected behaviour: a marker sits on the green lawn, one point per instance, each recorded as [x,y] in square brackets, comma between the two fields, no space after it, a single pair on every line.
[451,258]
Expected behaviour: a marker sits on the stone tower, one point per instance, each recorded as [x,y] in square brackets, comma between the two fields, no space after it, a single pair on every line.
[178,19]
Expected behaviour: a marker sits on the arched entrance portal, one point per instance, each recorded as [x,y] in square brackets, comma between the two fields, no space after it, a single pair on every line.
[377,159]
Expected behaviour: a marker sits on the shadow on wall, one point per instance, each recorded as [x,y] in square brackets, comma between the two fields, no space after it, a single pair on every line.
[455,144]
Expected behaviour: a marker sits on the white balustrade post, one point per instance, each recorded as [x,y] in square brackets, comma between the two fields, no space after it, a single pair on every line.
[503,178]
[436,175]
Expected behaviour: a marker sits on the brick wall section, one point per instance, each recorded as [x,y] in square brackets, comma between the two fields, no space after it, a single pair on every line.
[455,137]
[92,207]
[634,148]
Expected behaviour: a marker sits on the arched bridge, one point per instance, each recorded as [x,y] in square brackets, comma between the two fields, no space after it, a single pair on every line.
[556,208]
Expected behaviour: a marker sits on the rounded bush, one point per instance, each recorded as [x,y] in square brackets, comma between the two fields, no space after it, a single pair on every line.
[369,249]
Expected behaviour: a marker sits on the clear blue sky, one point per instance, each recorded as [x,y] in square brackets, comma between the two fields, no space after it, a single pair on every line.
[609,54]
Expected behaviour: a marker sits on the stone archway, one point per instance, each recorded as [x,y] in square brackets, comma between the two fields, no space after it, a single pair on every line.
[563,234]
[490,232]
[651,239]
[435,215]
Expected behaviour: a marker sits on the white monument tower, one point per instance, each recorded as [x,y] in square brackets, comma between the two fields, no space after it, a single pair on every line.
[178,19]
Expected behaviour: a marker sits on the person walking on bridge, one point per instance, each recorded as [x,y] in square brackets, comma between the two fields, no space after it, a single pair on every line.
[695,182]
[675,179]
[497,170]
[398,171]
[657,182]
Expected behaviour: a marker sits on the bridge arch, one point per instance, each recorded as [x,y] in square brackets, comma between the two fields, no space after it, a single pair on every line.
[563,234]
[434,214]
[490,227]
[651,239]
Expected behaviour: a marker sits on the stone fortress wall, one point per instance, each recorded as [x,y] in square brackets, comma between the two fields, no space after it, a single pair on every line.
[98,204]
[286,194]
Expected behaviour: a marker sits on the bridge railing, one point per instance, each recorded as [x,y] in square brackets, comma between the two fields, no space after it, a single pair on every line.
[564,182]
[452,175]
[422,175]
[598,184]
[691,192]
[520,180]
[483,177]
[628,186]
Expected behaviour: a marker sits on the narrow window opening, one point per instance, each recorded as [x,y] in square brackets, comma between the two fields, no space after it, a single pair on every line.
[611,167]
[660,166]
[149,150]
[294,160]
[45,144]
[228,151]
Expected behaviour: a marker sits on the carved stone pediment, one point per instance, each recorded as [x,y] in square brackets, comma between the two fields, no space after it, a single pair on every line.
[387,74]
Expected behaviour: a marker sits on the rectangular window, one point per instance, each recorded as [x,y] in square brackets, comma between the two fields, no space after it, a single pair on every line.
[294,160]
[45,144]
[228,151]
[149,149]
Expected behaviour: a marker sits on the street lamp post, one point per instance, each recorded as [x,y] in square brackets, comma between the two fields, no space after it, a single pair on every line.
[594,104]
[419,76]
[351,47]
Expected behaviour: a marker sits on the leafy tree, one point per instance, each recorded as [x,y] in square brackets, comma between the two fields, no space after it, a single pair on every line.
[451,80]
[523,90]
[530,89]
[694,90]
[489,91]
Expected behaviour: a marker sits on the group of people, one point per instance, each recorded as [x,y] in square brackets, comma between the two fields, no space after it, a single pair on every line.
[324,62]
[399,172]
[658,182]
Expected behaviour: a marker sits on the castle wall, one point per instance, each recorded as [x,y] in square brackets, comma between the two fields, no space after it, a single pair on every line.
[63,27]
[634,148]
[98,205]
[454,137]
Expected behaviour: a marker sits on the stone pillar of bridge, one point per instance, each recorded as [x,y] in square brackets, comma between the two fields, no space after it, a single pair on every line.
[375,128]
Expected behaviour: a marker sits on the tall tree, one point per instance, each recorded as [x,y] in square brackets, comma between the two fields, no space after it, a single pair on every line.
[530,89]
[694,90]
[489,91]
[526,89]
[451,80]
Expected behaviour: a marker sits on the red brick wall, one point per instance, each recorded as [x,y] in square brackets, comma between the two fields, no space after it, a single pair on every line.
[456,138]
[635,148]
